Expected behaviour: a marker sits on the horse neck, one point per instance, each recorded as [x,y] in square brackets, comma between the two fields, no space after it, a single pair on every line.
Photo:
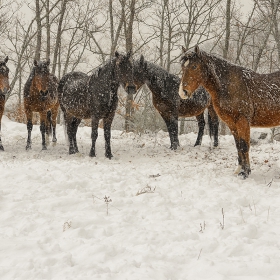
[31,84]
[107,73]
[155,77]
[217,71]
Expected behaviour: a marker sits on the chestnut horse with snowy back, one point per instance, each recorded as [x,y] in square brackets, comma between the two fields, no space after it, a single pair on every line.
[40,95]
[241,97]
[4,89]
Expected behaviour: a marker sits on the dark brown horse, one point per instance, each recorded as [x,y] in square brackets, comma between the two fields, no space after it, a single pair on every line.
[40,95]
[4,89]
[241,97]
[82,97]
[164,87]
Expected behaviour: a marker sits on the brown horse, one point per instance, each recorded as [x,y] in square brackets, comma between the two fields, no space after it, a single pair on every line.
[164,87]
[40,95]
[241,97]
[4,89]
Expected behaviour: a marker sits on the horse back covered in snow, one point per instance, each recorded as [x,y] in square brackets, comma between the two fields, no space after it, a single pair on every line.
[4,89]
[164,87]
[241,97]
[82,97]
[40,95]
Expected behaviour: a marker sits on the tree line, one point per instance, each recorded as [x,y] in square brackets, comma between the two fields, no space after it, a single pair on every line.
[82,35]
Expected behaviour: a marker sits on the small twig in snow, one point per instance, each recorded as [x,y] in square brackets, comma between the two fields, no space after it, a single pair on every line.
[154,176]
[199,254]
[223,224]
[268,213]
[66,225]
[270,183]
[107,201]
[147,189]
[254,206]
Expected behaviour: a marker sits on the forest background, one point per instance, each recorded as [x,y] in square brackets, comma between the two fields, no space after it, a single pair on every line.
[80,35]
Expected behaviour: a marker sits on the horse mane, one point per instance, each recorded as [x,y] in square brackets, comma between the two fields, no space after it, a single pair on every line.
[100,70]
[157,71]
[28,83]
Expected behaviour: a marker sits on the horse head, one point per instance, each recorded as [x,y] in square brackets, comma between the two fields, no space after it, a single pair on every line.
[196,71]
[42,77]
[139,72]
[4,77]
[124,70]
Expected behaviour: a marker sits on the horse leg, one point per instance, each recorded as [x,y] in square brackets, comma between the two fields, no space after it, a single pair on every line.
[29,114]
[213,121]
[94,135]
[107,122]
[48,127]
[71,134]
[54,112]
[43,122]
[241,133]
[172,127]
[201,125]
[1,114]
[75,124]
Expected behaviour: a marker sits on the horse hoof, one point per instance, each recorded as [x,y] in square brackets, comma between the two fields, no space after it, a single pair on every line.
[243,175]
[1,148]
[44,148]
[28,148]
[109,156]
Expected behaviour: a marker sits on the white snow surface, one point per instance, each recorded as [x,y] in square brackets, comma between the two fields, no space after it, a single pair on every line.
[54,222]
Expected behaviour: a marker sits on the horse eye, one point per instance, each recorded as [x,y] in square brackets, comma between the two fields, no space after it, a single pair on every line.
[194,67]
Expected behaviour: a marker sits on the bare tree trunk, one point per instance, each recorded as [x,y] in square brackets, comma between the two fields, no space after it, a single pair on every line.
[115,36]
[182,126]
[39,31]
[226,49]
[161,33]
[48,27]
[58,35]
[244,35]
[275,6]
[128,32]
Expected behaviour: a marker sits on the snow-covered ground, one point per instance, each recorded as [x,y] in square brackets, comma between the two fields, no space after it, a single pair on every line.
[172,215]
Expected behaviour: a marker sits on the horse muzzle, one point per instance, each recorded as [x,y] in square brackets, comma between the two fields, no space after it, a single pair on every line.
[184,94]
[131,89]
[43,94]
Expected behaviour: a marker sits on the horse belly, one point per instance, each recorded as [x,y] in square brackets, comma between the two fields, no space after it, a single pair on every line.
[189,108]
[266,118]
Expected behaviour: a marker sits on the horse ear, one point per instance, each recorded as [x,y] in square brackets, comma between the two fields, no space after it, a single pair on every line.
[141,60]
[6,59]
[197,50]
[145,65]
[48,62]
[183,49]
[117,54]
[35,62]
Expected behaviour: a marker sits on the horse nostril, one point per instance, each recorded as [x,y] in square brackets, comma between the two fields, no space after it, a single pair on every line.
[185,92]
[131,89]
